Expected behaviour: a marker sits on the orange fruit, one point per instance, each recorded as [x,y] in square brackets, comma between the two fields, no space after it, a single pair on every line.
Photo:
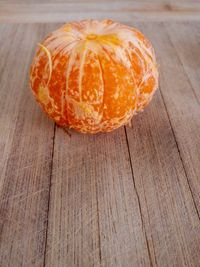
[93,76]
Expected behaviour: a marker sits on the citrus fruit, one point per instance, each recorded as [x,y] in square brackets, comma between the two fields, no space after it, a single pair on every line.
[93,76]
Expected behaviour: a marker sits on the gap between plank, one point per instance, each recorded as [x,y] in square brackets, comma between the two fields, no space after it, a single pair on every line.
[179,152]
[138,199]
[99,241]
[49,196]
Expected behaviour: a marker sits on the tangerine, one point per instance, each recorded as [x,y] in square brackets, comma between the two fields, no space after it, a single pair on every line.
[93,76]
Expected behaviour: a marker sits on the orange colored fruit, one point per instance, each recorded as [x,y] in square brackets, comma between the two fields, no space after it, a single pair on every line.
[93,76]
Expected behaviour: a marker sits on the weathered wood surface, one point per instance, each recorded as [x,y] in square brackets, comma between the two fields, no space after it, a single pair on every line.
[169,180]
[26,153]
[178,49]
[128,198]
[94,214]
[35,11]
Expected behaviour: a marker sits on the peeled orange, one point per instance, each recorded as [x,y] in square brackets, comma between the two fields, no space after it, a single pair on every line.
[93,76]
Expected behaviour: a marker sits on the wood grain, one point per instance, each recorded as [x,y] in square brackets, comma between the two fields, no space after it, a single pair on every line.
[185,40]
[128,198]
[94,217]
[167,149]
[170,218]
[26,153]
[180,90]
[123,11]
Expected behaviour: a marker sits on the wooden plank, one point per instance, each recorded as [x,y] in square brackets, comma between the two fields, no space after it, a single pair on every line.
[188,2]
[122,11]
[26,152]
[180,89]
[185,39]
[94,217]
[95,205]
[169,211]
[118,6]
[141,3]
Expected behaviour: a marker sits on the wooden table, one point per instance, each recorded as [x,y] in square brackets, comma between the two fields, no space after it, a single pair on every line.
[128,198]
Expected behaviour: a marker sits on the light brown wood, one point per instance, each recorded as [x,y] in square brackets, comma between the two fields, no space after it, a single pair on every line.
[127,198]
[169,150]
[185,40]
[26,153]
[123,11]
[180,90]
[146,2]
[94,217]
[170,218]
